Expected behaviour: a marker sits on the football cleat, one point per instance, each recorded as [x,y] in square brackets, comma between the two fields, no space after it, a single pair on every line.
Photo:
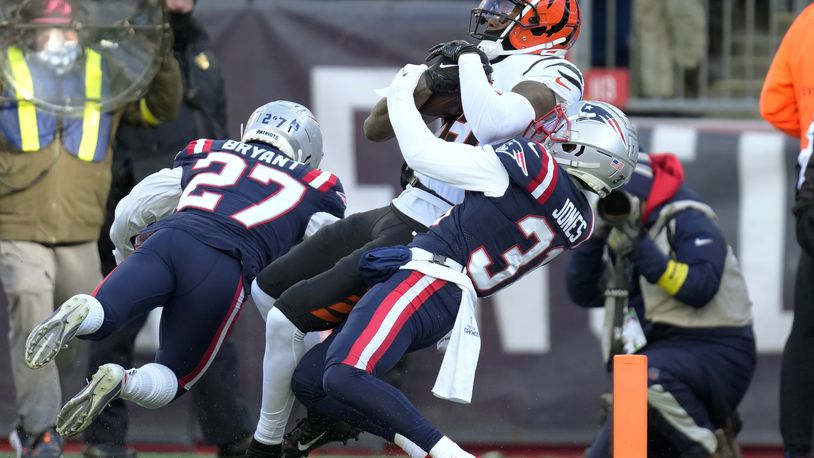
[53,334]
[78,413]
[47,444]
[311,433]
[260,450]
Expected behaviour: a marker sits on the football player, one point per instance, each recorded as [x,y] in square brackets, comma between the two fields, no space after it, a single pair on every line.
[526,203]
[227,209]
[316,284]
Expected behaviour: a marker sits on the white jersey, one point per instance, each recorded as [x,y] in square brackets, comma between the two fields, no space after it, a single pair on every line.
[549,68]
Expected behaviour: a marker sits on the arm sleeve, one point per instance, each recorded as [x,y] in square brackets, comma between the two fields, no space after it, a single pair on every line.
[693,272]
[473,168]
[778,101]
[562,77]
[154,198]
[584,272]
[318,221]
[490,115]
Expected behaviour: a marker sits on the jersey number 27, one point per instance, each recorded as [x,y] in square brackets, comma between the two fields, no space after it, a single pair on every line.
[269,209]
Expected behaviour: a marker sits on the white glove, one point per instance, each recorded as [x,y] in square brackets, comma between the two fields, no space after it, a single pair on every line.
[407,77]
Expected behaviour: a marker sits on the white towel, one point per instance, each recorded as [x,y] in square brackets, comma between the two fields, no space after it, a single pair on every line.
[456,377]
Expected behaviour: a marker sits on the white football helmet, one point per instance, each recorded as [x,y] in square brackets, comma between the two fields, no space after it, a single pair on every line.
[593,141]
[289,127]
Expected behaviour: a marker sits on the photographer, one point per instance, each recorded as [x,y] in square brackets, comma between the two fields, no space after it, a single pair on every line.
[672,291]
[55,174]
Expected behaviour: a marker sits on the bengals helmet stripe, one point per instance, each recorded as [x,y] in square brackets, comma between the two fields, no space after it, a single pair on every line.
[531,26]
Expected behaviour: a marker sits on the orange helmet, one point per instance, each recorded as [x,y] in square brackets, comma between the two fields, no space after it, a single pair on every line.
[527,26]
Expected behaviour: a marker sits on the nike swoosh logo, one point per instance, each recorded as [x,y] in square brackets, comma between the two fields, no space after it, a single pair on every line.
[702,242]
[304,447]
[448,65]
[559,81]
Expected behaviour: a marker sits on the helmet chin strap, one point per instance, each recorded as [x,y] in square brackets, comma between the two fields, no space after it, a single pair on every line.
[494,49]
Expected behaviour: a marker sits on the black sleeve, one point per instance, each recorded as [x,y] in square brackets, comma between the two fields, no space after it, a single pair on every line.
[584,274]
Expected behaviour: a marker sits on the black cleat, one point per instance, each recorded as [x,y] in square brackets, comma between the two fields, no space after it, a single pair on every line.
[313,432]
[260,450]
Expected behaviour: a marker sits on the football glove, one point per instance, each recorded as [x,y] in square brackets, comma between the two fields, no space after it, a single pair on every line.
[442,75]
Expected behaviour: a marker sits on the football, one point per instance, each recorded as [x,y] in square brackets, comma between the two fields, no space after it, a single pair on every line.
[442,106]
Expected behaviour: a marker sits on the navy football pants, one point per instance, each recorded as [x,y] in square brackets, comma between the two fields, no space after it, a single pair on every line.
[341,376]
[200,288]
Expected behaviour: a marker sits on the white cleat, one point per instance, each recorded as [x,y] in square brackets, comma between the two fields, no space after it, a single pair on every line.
[78,413]
[53,334]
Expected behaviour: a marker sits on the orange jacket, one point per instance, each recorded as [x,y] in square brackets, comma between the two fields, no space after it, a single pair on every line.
[787,98]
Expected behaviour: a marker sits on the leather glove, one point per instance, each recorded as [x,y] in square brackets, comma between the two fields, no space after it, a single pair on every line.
[454,49]
[442,77]
[443,73]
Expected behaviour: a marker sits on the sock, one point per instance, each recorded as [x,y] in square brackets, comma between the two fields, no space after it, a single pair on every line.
[95,318]
[284,349]
[409,447]
[262,301]
[445,448]
[151,386]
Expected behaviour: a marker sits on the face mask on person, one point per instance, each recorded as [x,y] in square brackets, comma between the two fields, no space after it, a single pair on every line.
[58,50]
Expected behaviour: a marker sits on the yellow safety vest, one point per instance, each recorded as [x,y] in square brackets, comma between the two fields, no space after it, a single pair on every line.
[27,113]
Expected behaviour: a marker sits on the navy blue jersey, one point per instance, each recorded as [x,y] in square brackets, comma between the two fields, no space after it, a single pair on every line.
[499,239]
[249,200]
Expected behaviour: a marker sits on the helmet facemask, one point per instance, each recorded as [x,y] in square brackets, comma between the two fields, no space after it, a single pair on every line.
[593,142]
[491,19]
[553,125]
[508,27]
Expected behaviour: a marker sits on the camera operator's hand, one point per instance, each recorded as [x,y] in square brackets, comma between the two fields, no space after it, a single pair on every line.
[622,239]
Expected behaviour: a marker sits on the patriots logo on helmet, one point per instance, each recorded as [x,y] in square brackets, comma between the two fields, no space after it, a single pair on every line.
[590,110]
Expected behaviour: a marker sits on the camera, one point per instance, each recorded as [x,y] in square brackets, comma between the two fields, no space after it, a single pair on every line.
[616,208]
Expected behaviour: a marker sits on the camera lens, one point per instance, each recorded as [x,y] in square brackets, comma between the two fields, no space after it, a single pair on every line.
[614,208]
